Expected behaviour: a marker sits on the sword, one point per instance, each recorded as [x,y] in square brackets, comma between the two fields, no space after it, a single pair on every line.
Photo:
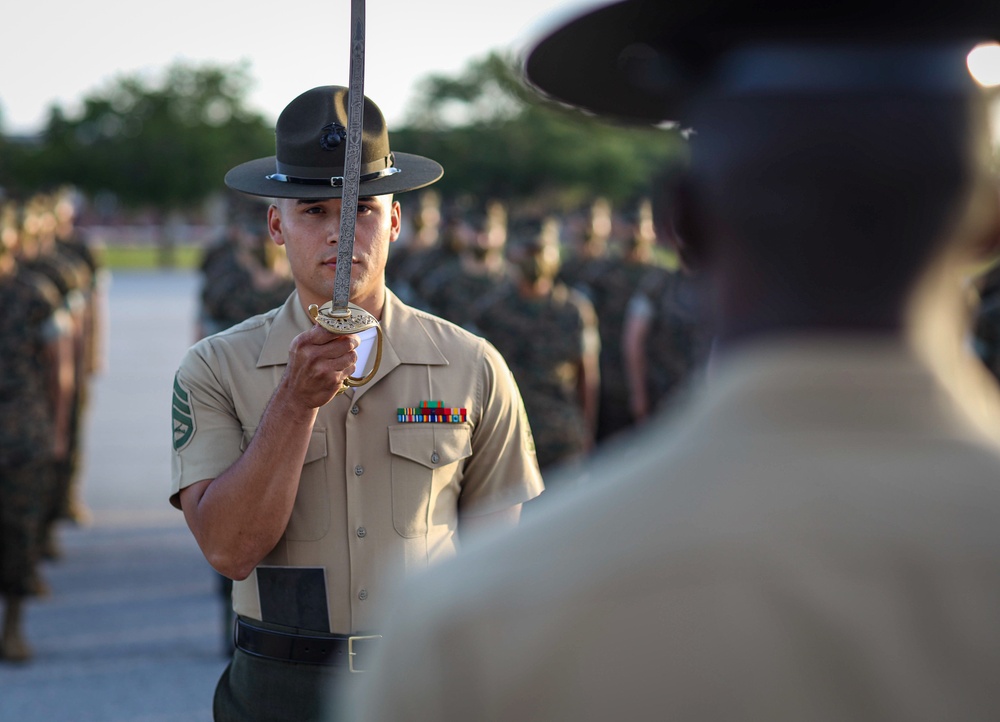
[339,315]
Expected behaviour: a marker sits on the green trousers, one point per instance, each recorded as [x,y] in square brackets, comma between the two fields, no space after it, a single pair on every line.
[254,689]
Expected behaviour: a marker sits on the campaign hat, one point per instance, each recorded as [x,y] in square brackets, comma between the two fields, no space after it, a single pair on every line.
[643,60]
[310,153]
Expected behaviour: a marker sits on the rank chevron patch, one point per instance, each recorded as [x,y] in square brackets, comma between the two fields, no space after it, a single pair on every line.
[183,416]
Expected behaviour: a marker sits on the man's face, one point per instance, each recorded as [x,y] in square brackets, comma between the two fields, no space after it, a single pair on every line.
[309,231]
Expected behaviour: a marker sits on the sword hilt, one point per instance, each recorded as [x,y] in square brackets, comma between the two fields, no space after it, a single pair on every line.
[344,321]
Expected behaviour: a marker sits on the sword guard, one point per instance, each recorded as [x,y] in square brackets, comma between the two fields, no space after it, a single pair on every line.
[344,321]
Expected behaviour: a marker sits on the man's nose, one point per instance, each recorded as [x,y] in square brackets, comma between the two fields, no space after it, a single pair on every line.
[333,230]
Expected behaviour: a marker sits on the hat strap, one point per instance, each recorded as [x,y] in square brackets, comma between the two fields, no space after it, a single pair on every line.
[296,174]
[336,181]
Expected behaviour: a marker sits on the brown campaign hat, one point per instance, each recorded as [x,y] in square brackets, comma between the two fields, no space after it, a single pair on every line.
[310,149]
[642,60]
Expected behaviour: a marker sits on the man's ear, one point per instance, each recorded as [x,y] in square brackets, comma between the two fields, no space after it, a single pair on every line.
[987,243]
[687,225]
[395,221]
[274,225]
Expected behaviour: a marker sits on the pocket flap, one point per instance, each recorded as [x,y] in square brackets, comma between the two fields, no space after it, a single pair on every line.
[431,445]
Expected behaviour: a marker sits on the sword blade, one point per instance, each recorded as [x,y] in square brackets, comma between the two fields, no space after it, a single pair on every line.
[352,163]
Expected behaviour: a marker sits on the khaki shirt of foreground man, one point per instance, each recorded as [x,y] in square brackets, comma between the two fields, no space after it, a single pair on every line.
[317,498]
[377,498]
[814,535]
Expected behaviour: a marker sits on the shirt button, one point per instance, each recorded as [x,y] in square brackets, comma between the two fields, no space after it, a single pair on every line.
[355,410]
[359,470]
[363,594]
[362,532]
[435,458]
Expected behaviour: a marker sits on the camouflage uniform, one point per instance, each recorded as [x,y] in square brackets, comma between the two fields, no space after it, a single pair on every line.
[580,272]
[78,257]
[27,326]
[70,277]
[543,341]
[229,294]
[78,247]
[413,257]
[610,291]
[450,291]
[412,267]
[678,340]
[477,238]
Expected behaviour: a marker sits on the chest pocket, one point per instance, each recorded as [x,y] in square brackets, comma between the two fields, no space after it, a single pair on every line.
[310,519]
[425,458]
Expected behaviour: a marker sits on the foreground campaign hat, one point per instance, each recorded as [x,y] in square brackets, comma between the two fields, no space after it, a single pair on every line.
[642,60]
[310,150]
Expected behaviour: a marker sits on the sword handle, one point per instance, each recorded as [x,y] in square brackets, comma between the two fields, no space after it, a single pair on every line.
[357,321]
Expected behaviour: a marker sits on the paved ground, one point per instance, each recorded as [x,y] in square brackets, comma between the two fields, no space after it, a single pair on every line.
[133,628]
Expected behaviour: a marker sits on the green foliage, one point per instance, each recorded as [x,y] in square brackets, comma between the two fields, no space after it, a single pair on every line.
[496,138]
[167,145]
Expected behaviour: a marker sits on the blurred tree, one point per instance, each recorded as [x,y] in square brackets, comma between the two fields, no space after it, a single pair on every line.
[497,138]
[166,145]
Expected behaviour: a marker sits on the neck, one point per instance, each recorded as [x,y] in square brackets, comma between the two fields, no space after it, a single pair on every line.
[373,303]
[745,310]
[536,289]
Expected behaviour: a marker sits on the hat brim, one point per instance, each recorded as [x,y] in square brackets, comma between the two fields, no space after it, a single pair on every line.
[579,64]
[641,60]
[415,172]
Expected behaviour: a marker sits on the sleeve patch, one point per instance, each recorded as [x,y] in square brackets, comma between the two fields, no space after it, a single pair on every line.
[183,416]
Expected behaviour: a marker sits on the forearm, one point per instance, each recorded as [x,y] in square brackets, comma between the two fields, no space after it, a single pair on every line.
[238,517]
[588,388]
[60,369]
[634,351]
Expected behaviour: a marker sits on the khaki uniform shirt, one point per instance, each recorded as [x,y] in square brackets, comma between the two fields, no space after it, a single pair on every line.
[815,538]
[377,498]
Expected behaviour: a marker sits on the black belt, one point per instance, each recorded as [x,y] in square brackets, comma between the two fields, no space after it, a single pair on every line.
[334,650]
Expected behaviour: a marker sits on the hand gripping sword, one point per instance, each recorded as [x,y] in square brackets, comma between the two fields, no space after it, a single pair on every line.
[339,315]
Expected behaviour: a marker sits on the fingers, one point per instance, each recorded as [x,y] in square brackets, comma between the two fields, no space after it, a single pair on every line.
[318,364]
[320,336]
[332,351]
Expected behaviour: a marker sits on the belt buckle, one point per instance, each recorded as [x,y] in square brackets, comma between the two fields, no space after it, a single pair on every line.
[351,654]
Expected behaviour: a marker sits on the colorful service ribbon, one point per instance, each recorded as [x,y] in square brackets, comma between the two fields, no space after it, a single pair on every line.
[430,412]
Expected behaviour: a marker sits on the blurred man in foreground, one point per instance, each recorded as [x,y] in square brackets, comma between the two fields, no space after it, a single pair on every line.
[816,537]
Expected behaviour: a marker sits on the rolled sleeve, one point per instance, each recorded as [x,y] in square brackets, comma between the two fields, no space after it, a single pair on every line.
[207,434]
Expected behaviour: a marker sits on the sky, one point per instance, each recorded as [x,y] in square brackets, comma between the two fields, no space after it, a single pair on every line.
[56,52]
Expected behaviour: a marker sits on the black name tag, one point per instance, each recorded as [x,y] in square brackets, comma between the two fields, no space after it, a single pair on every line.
[294,597]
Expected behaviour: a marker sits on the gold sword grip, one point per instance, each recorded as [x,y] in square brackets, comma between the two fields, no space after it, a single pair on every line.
[343,321]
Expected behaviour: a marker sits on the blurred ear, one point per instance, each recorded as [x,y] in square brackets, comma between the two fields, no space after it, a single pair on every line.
[987,243]
[687,231]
